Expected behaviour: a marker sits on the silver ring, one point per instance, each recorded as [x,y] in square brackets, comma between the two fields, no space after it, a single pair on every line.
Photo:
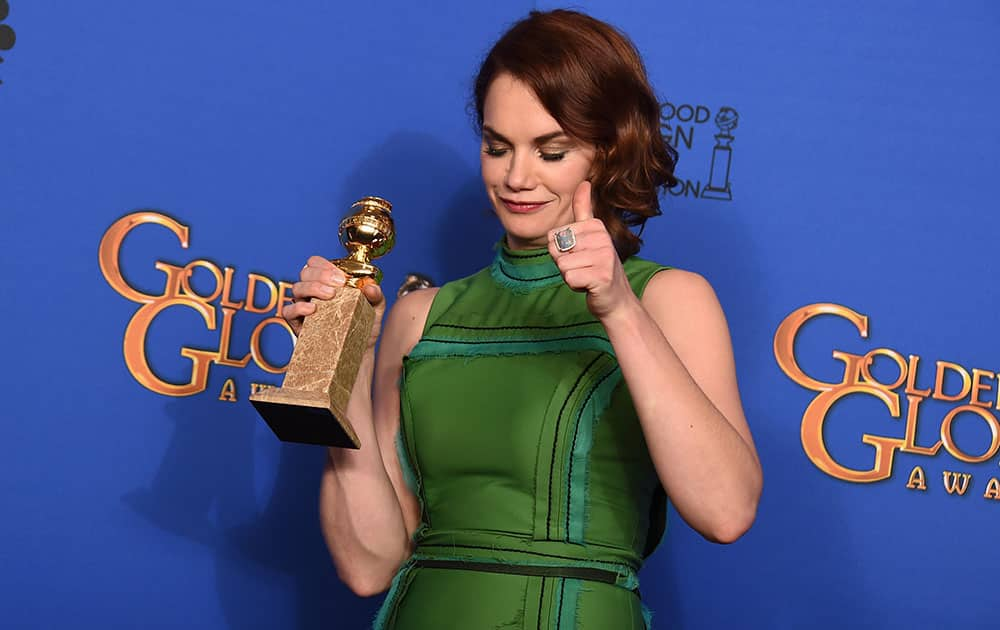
[565,239]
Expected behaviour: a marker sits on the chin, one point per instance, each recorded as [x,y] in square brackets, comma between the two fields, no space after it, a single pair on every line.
[517,240]
[529,228]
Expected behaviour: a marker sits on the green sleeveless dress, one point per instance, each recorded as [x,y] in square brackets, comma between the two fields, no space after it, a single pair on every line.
[518,435]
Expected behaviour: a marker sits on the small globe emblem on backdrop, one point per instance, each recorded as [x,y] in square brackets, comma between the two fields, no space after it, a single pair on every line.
[727,119]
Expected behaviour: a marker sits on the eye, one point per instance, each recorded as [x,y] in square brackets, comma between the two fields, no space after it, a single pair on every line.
[494,151]
[552,157]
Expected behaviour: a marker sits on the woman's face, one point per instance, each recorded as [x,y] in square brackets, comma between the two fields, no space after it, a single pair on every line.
[531,168]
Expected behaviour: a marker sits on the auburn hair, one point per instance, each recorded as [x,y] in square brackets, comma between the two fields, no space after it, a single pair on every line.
[591,79]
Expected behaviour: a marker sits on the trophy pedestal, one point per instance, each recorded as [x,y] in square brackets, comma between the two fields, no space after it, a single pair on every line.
[718,178]
[310,406]
[305,418]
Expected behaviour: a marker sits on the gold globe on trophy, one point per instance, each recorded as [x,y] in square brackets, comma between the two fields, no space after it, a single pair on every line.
[311,405]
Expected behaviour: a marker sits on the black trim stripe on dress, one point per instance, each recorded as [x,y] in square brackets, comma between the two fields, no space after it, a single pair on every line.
[555,275]
[523,256]
[530,553]
[562,593]
[541,601]
[581,573]
[555,440]
[576,433]
[552,327]
[503,341]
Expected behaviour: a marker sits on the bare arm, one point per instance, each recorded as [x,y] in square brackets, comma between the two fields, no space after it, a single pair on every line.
[367,514]
[689,404]
[674,351]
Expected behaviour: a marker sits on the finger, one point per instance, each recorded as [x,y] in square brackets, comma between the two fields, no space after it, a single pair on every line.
[576,260]
[305,290]
[554,250]
[599,261]
[583,205]
[578,279]
[588,236]
[312,264]
[565,235]
[319,262]
[321,269]
[372,291]
[331,275]
[297,310]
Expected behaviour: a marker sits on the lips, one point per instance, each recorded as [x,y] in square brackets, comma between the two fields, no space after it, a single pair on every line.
[522,207]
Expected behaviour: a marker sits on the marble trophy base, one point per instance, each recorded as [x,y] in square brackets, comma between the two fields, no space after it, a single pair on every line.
[310,407]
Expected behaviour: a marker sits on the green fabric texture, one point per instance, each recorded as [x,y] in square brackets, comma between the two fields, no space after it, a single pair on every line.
[519,437]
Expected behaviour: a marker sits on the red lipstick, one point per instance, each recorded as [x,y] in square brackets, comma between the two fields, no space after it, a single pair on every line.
[522,207]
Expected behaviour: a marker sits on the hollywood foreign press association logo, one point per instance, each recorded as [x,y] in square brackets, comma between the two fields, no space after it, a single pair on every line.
[7,36]
[706,173]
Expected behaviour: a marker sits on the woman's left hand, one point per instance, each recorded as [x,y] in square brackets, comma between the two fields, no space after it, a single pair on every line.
[591,265]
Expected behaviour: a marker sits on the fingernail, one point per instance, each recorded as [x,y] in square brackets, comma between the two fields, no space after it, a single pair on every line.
[338,277]
[325,290]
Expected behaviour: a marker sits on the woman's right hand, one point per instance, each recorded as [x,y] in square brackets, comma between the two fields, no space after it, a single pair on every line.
[321,279]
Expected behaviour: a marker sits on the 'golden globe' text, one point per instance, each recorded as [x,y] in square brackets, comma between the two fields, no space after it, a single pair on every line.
[178,292]
[978,395]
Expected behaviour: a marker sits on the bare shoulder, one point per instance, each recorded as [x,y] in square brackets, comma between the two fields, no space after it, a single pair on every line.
[415,304]
[684,306]
[676,292]
[405,320]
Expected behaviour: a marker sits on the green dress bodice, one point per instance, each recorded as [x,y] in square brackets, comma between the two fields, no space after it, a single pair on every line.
[519,437]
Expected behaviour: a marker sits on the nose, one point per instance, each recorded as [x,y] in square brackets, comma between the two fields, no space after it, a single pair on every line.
[520,175]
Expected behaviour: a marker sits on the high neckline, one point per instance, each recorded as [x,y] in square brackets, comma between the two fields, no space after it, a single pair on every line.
[524,269]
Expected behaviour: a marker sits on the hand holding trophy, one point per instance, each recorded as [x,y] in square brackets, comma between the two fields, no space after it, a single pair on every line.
[310,406]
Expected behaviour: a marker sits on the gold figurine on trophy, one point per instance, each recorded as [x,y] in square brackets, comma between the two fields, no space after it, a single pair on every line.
[311,404]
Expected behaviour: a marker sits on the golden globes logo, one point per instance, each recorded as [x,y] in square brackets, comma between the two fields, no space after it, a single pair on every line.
[977,397]
[678,123]
[263,296]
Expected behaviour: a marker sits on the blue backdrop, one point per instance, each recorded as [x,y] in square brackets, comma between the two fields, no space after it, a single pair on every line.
[837,153]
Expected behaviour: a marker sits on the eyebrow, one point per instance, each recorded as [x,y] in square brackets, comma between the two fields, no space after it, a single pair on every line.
[542,139]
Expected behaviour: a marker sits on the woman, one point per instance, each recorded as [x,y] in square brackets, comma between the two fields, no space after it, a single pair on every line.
[527,420]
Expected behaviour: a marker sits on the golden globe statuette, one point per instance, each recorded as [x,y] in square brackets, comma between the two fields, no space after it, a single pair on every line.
[311,405]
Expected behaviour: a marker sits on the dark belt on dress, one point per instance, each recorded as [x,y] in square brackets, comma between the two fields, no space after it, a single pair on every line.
[581,573]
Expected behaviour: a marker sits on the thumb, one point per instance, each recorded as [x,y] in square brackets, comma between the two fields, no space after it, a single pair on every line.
[583,206]
[372,291]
